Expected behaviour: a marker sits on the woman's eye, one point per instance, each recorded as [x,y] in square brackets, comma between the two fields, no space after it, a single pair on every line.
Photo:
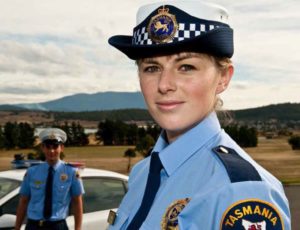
[186,67]
[151,69]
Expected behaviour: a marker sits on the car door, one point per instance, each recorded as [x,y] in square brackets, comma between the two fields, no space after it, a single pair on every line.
[9,199]
[101,195]
[8,212]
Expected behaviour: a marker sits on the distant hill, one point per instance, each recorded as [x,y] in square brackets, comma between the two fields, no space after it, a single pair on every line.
[90,102]
[10,108]
[281,112]
[131,105]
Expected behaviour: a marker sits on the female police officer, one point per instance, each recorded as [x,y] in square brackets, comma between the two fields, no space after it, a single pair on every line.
[197,177]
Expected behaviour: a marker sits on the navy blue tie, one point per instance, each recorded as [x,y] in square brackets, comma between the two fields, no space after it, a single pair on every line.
[48,194]
[152,186]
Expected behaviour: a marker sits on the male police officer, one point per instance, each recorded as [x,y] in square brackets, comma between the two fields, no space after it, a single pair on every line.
[48,188]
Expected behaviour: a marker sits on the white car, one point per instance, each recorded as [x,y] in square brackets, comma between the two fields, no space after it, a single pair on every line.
[104,191]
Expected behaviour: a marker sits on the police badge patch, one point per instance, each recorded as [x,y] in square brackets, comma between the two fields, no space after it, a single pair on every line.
[163,26]
[170,218]
[252,214]
[63,177]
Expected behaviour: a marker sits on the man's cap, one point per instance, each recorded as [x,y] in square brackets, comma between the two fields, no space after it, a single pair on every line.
[166,28]
[53,135]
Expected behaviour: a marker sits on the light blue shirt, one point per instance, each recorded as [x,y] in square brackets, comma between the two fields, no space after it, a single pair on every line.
[195,176]
[66,184]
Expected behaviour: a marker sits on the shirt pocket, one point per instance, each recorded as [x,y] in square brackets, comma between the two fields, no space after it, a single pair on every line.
[120,221]
[63,189]
[37,190]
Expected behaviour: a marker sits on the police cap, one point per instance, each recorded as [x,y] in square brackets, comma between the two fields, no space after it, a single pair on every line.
[166,28]
[53,135]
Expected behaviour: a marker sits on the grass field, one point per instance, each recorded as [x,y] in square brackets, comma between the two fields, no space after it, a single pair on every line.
[277,157]
[273,154]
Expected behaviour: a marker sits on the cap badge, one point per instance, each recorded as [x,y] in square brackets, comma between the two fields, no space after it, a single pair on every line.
[170,218]
[163,26]
[52,136]
[63,177]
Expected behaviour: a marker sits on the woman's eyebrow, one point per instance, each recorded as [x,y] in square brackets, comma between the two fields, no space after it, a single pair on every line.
[149,61]
[183,56]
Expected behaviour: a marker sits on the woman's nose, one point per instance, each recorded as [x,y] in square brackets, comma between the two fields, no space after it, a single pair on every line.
[167,81]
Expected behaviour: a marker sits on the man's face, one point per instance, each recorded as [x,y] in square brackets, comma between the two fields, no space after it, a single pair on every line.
[52,152]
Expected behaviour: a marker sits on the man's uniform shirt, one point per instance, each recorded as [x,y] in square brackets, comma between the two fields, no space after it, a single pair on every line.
[66,184]
[208,182]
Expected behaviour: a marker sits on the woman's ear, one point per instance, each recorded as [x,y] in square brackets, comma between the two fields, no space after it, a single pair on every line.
[225,78]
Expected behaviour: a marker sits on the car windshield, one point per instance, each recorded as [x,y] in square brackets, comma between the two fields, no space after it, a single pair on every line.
[7,185]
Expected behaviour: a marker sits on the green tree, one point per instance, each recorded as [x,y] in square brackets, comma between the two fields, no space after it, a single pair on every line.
[105,132]
[120,133]
[75,134]
[294,141]
[2,139]
[247,137]
[129,153]
[132,133]
[145,144]
[244,136]
[233,132]
[67,129]
[11,135]
[141,133]
[80,137]
[26,136]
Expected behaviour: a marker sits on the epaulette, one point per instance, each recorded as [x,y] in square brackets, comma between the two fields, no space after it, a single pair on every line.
[238,168]
[75,164]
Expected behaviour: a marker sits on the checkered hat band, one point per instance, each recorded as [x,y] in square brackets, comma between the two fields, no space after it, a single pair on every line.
[185,31]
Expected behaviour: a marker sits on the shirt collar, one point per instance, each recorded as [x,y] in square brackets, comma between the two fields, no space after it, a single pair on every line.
[175,154]
[55,167]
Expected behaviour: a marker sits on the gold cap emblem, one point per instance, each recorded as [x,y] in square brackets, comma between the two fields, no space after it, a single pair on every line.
[163,26]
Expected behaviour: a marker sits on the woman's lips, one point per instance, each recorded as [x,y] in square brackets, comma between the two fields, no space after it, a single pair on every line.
[169,105]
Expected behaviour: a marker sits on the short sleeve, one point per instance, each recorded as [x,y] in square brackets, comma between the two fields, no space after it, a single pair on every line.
[77,185]
[238,206]
[25,186]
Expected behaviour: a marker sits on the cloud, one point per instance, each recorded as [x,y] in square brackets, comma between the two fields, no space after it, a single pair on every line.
[22,89]
[51,49]
[241,95]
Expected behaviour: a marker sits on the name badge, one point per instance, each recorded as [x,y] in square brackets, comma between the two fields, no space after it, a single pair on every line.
[111,217]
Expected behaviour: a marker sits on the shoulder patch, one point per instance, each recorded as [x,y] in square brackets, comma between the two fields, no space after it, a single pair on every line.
[252,214]
[77,174]
[238,168]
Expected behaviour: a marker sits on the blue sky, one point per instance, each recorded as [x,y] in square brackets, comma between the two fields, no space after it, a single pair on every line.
[51,49]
